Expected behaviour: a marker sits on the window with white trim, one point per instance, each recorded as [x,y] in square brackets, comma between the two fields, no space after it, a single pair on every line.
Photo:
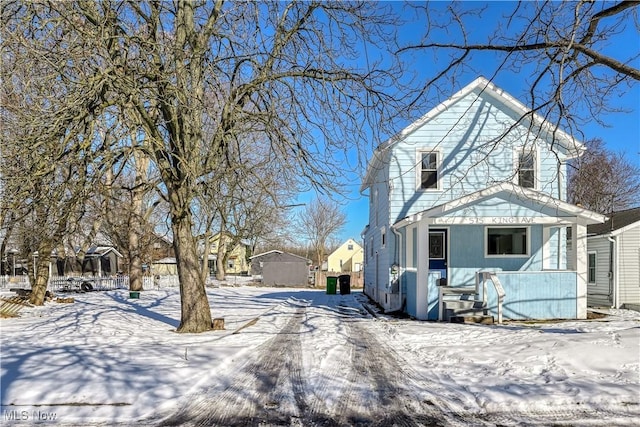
[591,267]
[527,168]
[506,241]
[428,170]
[383,237]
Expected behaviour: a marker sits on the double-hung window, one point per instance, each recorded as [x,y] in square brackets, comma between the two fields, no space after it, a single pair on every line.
[527,168]
[592,267]
[428,172]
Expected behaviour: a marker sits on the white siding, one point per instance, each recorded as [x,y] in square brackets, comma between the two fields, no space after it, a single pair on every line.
[629,266]
[378,258]
[597,294]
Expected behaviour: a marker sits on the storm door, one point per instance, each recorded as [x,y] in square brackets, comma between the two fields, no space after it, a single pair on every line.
[438,251]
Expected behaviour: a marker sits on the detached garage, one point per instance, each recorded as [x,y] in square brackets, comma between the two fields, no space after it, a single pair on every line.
[277,268]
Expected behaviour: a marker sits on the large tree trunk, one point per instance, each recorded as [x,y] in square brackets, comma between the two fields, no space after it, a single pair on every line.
[220,257]
[205,255]
[196,313]
[135,260]
[39,285]
[136,224]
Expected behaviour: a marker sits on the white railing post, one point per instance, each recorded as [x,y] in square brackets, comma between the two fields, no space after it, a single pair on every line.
[484,289]
[500,293]
[440,303]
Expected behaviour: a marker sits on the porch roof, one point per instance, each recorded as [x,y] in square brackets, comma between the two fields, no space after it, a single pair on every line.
[474,209]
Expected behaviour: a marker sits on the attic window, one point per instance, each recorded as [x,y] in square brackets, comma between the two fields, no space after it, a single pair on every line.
[429,170]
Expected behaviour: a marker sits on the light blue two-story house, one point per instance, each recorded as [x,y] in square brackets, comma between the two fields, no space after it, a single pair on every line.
[468,213]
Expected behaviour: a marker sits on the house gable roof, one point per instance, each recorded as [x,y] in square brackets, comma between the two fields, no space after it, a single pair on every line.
[102,251]
[524,195]
[617,223]
[275,251]
[484,87]
[356,247]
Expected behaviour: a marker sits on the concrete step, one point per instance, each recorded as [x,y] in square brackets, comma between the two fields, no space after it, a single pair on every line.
[462,304]
[459,308]
[484,319]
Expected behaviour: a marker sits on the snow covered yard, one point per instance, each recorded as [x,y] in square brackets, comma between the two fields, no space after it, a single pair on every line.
[107,359]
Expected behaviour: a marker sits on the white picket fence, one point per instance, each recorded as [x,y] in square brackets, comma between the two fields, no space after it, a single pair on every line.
[70,283]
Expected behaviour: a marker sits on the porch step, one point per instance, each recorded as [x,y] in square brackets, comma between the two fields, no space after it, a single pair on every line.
[484,319]
[462,305]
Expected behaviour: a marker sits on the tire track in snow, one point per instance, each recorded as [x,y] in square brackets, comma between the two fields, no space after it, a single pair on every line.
[375,387]
[378,393]
[270,390]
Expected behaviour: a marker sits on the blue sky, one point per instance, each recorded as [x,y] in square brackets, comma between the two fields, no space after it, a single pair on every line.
[621,130]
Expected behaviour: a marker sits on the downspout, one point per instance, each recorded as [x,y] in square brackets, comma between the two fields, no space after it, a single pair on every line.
[613,271]
[400,268]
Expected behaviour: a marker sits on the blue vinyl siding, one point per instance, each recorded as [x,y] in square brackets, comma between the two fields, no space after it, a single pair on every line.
[432,296]
[410,293]
[467,133]
[466,257]
[471,159]
[543,295]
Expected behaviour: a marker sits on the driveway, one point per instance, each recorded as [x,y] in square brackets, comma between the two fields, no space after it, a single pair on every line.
[354,379]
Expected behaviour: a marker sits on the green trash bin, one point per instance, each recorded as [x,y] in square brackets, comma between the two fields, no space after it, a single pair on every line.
[332,283]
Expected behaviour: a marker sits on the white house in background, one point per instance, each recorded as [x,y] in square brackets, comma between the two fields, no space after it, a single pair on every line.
[477,185]
[613,251]
[346,258]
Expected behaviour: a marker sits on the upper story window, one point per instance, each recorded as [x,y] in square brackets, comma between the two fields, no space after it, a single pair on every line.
[428,170]
[527,169]
[349,247]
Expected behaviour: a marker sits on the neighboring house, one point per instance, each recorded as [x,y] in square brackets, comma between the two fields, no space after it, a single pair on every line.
[161,248]
[236,262]
[101,261]
[164,267]
[347,258]
[277,268]
[478,184]
[614,261]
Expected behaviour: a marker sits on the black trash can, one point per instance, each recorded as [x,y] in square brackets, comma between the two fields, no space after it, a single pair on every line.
[331,285]
[345,283]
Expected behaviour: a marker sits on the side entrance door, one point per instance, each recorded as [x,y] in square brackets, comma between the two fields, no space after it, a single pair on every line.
[438,251]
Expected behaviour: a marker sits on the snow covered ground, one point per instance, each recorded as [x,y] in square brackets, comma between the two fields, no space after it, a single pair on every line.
[107,359]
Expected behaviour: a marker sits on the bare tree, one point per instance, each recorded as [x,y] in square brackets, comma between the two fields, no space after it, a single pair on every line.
[50,144]
[320,222]
[560,50]
[288,72]
[603,181]
[249,197]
